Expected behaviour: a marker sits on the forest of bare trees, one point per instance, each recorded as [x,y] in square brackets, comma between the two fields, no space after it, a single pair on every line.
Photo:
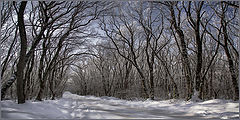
[129,49]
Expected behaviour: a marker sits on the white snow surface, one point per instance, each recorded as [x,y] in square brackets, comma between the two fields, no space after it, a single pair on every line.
[72,106]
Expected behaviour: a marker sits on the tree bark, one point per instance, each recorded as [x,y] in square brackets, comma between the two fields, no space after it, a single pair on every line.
[21,63]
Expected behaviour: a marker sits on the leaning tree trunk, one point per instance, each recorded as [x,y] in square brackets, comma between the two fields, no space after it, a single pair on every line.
[7,85]
[233,74]
[185,60]
[44,77]
[144,87]
[28,75]
[230,60]
[9,82]
[5,62]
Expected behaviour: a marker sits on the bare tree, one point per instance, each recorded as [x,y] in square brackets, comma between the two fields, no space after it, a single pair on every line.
[195,24]
[175,21]
[130,50]
[21,62]
[128,43]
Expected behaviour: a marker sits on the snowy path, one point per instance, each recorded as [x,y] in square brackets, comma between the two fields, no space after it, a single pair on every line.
[89,107]
[93,109]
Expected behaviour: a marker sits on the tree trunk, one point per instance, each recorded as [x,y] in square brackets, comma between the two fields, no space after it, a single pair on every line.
[185,60]
[7,85]
[40,71]
[144,87]
[230,60]
[128,67]
[28,75]
[150,61]
[51,84]
[198,86]
[233,74]
[21,63]
[199,81]
[151,77]
[211,84]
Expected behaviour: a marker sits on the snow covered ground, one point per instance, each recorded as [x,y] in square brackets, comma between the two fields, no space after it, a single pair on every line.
[90,107]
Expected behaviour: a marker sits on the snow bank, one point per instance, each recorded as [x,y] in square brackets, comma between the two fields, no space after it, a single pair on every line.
[91,107]
[31,110]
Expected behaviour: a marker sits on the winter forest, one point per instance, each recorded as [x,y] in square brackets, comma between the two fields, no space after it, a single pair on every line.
[126,50]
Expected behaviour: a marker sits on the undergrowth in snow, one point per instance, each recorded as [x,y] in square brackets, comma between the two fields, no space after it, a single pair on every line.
[91,107]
